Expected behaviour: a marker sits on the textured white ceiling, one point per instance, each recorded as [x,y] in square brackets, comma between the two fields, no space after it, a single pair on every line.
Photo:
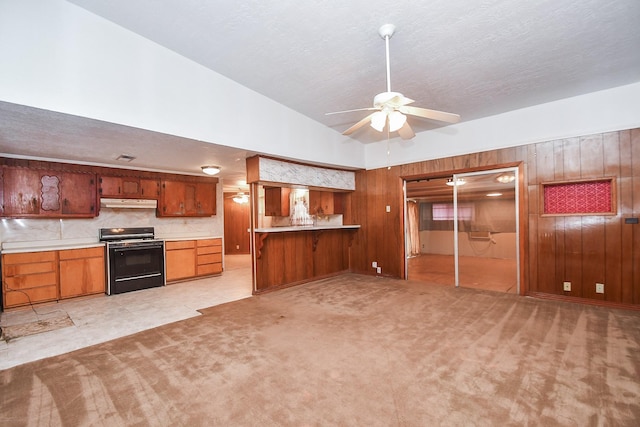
[475,58]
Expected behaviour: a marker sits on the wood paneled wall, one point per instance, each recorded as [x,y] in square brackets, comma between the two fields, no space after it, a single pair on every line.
[585,249]
[237,239]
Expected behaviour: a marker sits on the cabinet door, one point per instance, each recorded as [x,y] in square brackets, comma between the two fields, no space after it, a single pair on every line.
[321,202]
[110,186]
[48,193]
[172,198]
[182,198]
[180,263]
[149,188]
[82,272]
[78,192]
[276,201]
[205,199]
[21,193]
[29,278]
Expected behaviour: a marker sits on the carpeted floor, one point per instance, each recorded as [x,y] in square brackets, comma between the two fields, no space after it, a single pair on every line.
[350,350]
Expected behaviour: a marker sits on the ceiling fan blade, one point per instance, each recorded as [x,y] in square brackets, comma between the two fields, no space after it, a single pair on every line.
[430,114]
[406,132]
[399,100]
[358,125]
[349,111]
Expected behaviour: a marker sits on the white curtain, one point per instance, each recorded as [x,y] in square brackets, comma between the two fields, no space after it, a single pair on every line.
[413,231]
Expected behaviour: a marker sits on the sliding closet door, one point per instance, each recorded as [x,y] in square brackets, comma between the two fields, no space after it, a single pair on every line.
[486,248]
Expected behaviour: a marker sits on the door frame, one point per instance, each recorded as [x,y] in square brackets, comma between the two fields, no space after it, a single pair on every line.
[522,223]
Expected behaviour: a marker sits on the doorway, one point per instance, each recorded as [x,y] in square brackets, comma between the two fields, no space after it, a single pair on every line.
[463,230]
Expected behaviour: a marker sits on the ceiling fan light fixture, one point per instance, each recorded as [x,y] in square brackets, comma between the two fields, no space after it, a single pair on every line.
[241,198]
[378,120]
[506,178]
[396,120]
[458,182]
[211,170]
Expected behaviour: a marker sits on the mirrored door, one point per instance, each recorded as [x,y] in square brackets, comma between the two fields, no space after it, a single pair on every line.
[486,230]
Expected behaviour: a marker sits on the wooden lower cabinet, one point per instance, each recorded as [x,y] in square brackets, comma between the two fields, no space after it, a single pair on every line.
[36,277]
[82,272]
[209,259]
[29,278]
[187,259]
[180,260]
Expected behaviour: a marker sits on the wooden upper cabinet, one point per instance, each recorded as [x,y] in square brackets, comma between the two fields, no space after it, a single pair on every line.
[276,201]
[325,202]
[129,187]
[184,198]
[46,193]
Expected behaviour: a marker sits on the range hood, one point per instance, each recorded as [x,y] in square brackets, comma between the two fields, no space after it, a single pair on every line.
[128,203]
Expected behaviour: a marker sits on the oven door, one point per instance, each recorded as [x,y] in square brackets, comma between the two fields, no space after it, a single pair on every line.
[135,266]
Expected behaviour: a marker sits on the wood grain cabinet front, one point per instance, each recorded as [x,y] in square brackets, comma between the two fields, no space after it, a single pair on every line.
[180,260]
[182,198]
[29,278]
[46,193]
[209,259]
[276,201]
[188,259]
[325,202]
[82,272]
[129,187]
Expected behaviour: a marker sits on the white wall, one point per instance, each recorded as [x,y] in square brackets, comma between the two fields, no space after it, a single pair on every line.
[441,242]
[604,111]
[60,57]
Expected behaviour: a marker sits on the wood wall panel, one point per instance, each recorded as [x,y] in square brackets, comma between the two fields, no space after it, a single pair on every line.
[582,249]
[546,250]
[237,240]
[560,266]
[613,258]
[571,158]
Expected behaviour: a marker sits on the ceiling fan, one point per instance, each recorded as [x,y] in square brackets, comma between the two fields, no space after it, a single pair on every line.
[392,107]
[239,197]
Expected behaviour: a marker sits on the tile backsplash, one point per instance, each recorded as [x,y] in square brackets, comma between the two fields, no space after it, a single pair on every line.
[60,230]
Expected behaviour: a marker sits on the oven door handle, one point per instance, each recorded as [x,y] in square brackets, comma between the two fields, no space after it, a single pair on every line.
[144,276]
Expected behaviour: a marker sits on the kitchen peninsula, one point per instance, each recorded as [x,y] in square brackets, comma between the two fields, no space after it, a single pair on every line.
[301,223]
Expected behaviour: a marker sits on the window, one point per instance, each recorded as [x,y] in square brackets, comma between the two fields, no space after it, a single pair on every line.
[589,197]
[444,211]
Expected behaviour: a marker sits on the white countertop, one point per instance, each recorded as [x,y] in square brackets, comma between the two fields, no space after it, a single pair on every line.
[306,228]
[58,245]
[49,245]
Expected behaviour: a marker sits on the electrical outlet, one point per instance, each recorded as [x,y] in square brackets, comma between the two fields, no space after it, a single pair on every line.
[599,288]
[237,246]
[388,208]
[374,264]
[566,286]
[379,270]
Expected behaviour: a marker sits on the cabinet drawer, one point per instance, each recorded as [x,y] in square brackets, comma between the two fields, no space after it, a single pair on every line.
[26,269]
[209,258]
[82,253]
[30,281]
[41,294]
[28,257]
[209,250]
[207,269]
[181,244]
[209,242]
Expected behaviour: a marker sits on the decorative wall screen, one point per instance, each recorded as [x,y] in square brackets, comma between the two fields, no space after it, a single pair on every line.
[579,197]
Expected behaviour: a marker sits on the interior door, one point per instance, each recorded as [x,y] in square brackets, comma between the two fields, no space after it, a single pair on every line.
[486,230]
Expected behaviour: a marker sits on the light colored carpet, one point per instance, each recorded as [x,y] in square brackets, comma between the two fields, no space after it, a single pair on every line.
[349,350]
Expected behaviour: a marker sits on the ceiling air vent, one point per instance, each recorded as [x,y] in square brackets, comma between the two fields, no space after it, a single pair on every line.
[125,158]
